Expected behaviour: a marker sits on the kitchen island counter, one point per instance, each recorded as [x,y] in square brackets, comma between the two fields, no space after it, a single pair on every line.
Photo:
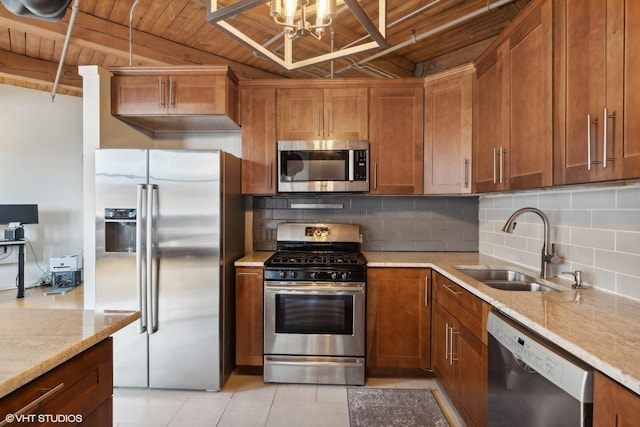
[36,340]
[599,327]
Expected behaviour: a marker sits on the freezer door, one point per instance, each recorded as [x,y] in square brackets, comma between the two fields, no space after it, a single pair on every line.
[120,177]
[184,350]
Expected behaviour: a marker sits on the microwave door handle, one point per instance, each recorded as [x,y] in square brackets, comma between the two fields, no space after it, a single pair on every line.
[351,165]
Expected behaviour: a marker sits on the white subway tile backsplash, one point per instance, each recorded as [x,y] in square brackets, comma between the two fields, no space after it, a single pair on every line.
[618,262]
[628,197]
[626,220]
[601,239]
[596,230]
[628,242]
[594,199]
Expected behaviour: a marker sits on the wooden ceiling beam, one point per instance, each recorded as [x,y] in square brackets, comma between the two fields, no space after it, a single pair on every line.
[40,73]
[113,39]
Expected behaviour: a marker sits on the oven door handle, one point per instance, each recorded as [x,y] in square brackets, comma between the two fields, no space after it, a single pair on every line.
[347,289]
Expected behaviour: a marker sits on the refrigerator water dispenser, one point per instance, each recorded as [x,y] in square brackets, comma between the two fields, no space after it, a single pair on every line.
[120,230]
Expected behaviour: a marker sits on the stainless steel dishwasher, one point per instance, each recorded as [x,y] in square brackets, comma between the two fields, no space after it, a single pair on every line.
[533,382]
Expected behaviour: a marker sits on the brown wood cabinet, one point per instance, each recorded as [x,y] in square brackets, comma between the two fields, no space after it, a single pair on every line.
[81,388]
[163,99]
[258,109]
[613,404]
[395,135]
[598,131]
[398,318]
[249,316]
[308,114]
[460,353]
[513,106]
[447,132]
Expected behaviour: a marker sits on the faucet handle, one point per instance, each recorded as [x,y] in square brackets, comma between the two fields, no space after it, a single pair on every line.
[578,277]
[553,257]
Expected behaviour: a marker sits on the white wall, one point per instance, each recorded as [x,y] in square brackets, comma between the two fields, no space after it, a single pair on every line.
[596,229]
[41,162]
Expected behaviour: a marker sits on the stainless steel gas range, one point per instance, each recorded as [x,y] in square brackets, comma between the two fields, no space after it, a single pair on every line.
[314,305]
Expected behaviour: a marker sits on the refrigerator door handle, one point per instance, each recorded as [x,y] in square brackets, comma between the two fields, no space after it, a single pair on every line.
[152,279]
[141,286]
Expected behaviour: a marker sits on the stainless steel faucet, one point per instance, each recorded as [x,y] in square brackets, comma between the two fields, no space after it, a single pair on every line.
[548,249]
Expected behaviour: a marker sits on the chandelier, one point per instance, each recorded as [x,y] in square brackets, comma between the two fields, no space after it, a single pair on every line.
[284,13]
[296,20]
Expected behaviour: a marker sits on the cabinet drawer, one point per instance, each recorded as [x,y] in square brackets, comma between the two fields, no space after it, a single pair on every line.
[77,388]
[470,310]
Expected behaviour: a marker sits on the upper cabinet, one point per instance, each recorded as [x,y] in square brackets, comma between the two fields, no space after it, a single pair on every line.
[258,109]
[178,98]
[395,136]
[447,131]
[598,59]
[513,106]
[308,114]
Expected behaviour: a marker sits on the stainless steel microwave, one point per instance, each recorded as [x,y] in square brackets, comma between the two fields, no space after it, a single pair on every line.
[323,166]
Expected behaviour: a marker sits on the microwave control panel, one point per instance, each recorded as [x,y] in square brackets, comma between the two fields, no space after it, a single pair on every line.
[360,165]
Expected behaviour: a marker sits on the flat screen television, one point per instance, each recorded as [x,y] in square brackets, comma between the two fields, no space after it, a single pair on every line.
[24,214]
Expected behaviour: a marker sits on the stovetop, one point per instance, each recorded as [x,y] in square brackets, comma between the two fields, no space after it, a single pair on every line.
[316,266]
[324,259]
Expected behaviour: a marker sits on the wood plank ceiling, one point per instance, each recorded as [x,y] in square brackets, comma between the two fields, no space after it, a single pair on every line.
[175,32]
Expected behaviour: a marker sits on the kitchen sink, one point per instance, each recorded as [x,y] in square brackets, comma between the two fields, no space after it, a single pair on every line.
[506,279]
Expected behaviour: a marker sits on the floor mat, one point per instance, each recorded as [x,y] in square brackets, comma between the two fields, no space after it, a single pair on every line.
[384,407]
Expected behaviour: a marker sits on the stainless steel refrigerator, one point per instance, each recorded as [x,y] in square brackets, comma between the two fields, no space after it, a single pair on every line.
[169,225]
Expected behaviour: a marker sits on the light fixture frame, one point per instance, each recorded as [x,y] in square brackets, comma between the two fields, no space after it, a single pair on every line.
[217,17]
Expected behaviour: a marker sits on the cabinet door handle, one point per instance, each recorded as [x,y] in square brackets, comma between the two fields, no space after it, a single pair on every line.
[375,175]
[589,142]
[426,290]
[495,179]
[451,358]
[247,273]
[49,393]
[318,123]
[466,173]
[446,341]
[269,170]
[604,149]
[502,151]
[160,93]
[327,125]
[171,100]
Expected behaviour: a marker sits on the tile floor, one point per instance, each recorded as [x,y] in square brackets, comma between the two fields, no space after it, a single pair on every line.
[247,401]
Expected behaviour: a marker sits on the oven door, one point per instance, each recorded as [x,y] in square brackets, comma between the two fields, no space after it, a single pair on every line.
[314,318]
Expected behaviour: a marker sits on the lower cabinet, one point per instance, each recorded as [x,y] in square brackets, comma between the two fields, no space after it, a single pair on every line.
[460,353]
[613,404]
[78,392]
[249,317]
[398,318]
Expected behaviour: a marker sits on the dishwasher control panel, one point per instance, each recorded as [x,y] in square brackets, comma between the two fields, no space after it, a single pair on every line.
[531,350]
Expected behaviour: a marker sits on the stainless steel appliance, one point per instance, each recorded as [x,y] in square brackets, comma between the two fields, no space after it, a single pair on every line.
[169,225]
[314,306]
[323,166]
[533,382]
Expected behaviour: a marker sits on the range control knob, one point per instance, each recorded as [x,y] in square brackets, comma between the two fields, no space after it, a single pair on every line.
[334,275]
[345,275]
[283,274]
[293,274]
[313,275]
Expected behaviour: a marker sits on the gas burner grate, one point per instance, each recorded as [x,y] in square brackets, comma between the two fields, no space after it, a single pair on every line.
[314,258]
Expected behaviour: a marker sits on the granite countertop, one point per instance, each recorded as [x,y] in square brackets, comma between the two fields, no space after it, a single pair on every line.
[36,340]
[598,327]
